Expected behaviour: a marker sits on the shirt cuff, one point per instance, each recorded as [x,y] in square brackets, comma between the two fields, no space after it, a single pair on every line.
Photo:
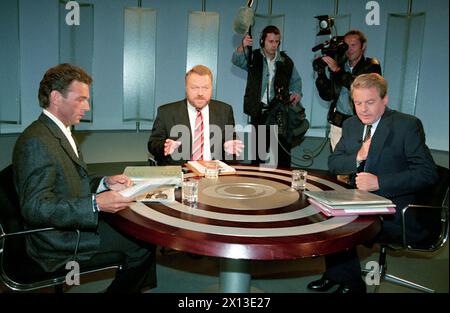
[102,186]
[95,207]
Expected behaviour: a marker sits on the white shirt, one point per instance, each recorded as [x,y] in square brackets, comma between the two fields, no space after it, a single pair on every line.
[271,68]
[66,130]
[192,111]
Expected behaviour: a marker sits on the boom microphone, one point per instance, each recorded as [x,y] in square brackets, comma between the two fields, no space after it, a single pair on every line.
[244,19]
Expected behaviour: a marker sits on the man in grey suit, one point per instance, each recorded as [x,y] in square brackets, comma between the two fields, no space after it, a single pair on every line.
[173,139]
[55,189]
[385,152]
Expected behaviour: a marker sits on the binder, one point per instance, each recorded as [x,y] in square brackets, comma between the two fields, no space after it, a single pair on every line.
[359,209]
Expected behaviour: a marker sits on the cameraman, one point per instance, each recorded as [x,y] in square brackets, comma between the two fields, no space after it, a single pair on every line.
[336,87]
[270,73]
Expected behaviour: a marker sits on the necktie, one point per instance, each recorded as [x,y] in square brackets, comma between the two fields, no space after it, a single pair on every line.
[367,134]
[366,137]
[197,147]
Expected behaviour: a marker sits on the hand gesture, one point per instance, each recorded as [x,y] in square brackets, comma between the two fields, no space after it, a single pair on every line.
[233,147]
[170,146]
[363,151]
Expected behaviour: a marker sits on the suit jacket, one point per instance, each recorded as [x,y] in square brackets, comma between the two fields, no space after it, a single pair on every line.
[54,190]
[174,117]
[398,156]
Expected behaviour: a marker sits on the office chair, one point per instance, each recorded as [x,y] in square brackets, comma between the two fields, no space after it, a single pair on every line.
[17,270]
[431,211]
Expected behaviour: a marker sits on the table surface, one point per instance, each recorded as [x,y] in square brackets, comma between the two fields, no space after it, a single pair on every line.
[252,215]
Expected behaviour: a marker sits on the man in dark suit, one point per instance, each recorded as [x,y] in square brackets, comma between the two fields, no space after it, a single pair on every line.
[196,128]
[385,152]
[55,189]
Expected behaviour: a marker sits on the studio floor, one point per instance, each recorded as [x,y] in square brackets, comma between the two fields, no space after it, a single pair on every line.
[181,273]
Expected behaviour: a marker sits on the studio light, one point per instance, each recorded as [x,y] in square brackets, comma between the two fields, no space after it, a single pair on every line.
[325,24]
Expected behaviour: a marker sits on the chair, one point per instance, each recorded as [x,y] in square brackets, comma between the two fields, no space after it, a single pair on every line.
[431,210]
[17,270]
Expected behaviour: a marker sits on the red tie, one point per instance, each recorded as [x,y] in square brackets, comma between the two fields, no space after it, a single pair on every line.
[197,147]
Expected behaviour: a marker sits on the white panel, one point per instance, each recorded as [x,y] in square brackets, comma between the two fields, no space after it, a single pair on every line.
[139,64]
[203,42]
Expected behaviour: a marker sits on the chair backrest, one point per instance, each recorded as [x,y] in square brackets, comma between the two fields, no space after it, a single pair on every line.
[431,211]
[11,220]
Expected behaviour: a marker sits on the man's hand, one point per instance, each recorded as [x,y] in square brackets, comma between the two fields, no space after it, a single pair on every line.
[112,201]
[170,146]
[246,41]
[233,147]
[367,182]
[332,64]
[363,151]
[294,98]
[118,182]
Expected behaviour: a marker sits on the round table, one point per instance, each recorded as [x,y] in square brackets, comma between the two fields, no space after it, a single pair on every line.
[251,215]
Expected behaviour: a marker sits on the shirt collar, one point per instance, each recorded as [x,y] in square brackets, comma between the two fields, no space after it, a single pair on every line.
[64,129]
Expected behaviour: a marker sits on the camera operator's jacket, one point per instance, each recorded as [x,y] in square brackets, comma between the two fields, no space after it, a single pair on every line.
[286,78]
[329,89]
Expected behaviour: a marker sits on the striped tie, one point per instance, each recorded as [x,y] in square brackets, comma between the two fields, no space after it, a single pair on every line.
[197,147]
[367,136]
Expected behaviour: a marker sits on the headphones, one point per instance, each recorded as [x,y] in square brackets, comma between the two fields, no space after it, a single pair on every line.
[271,29]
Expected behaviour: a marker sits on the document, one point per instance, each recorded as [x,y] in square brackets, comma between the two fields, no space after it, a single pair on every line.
[142,186]
[138,173]
[347,197]
[161,194]
[199,167]
[352,210]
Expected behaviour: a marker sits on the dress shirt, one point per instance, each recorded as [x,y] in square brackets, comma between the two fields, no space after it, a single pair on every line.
[66,130]
[192,111]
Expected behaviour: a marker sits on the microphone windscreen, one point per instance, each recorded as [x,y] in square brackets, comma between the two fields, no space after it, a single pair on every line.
[243,20]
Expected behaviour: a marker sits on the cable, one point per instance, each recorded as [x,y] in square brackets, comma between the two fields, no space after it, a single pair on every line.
[309,155]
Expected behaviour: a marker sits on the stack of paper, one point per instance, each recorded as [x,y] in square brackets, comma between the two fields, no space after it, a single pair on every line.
[138,173]
[148,178]
[199,167]
[349,202]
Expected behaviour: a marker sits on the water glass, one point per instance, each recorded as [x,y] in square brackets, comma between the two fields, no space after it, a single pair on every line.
[299,179]
[212,170]
[189,192]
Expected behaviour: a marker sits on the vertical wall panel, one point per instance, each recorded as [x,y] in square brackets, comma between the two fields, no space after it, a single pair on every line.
[203,42]
[10,104]
[402,59]
[139,64]
[76,44]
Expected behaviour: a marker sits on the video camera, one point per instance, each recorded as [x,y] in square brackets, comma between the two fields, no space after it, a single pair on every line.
[334,48]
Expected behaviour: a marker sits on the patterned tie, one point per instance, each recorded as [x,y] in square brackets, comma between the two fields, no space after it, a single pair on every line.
[197,147]
[366,137]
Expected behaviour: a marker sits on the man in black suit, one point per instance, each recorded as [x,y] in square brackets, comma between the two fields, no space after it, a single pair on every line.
[56,190]
[173,139]
[385,152]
